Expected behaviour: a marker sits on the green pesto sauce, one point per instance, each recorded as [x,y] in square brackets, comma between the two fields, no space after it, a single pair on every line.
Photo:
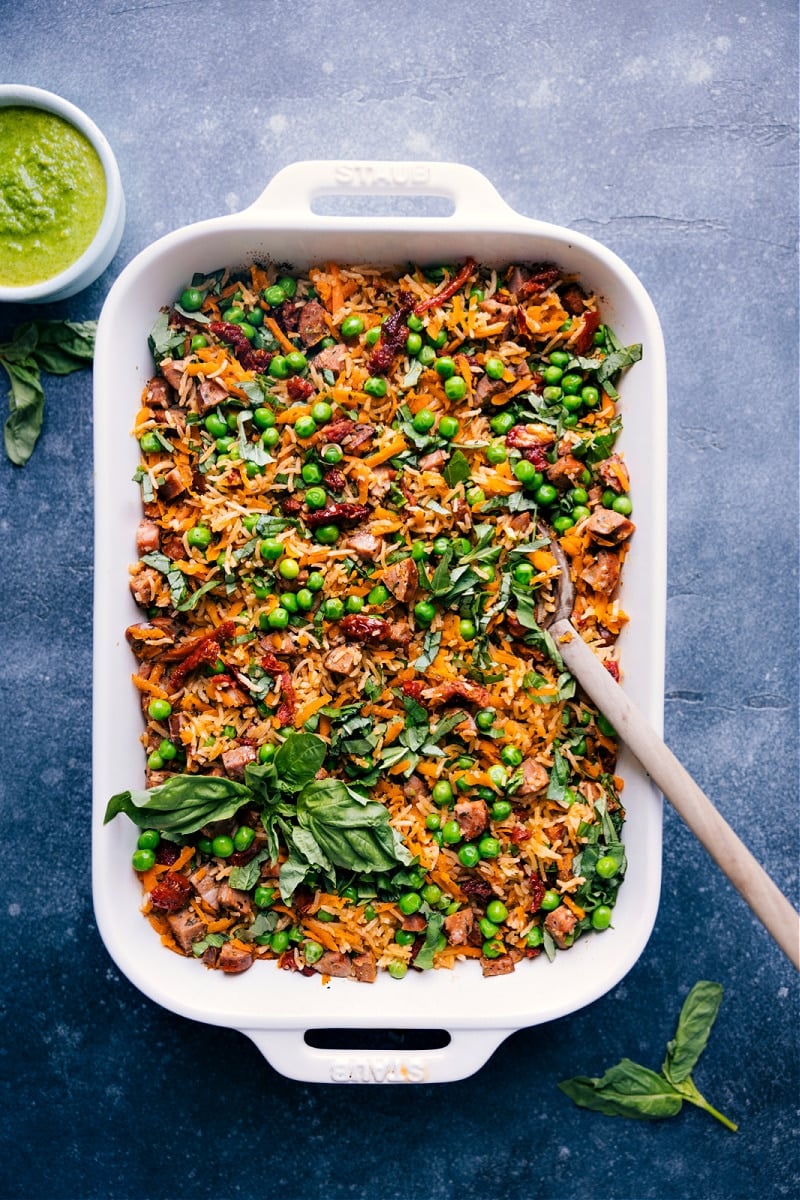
[52,195]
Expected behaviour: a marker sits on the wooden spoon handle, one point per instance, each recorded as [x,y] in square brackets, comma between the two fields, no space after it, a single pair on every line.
[731,855]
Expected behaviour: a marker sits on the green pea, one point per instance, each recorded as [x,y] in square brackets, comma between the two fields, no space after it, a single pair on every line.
[550,901]
[455,388]
[488,846]
[154,761]
[433,821]
[143,860]
[263,417]
[148,839]
[167,750]
[580,512]
[333,609]
[270,438]
[466,629]
[409,903]
[332,454]
[198,342]
[149,443]
[256,317]
[461,546]
[274,295]
[535,937]
[243,838]
[502,422]
[559,358]
[563,522]
[271,549]
[278,618]
[296,361]
[523,573]
[191,299]
[413,343]
[397,969]
[423,420]
[321,412]
[312,952]
[485,719]
[305,427]
[551,394]
[404,937]
[590,396]
[248,330]
[278,367]
[601,917]
[204,846]
[159,710]
[222,846]
[327,535]
[493,948]
[440,340]
[500,810]
[606,867]
[305,599]
[448,427]
[315,581]
[378,595]
[426,356]
[488,928]
[352,326]
[552,375]
[316,497]
[372,335]
[424,612]
[469,855]
[375,386]
[475,495]
[415,323]
[418,551]
[524,471]
[496,911]
[622,505]
[442,793]
[288,285]
[545,494]
[511,756]
[199,536]
[279,941]
[289,601]
[445,368]
[571,384]
[496,453]
[494,368]
[216,425]
[451,832]
[498,775]
[354,604]
[266,752]
[289,568]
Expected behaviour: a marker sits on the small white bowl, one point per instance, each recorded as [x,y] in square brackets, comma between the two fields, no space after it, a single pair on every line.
[96,257]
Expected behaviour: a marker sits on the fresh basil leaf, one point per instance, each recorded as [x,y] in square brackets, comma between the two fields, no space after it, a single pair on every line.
[64,346]
[298,760]
[352,835]
[430,648]
[23,341]
[181,805]
[696,1018]
[626,1090]
[424,957]
[559,777]
[26,409]
[247,876]
[163,340]
[194,599]
[457,469]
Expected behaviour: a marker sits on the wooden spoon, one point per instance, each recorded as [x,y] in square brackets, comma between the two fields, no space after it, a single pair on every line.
[730,854]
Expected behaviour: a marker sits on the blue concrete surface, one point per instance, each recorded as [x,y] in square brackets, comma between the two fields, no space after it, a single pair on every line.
[668,132]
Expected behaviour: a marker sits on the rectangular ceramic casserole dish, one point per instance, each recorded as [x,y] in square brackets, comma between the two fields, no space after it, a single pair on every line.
[276,1009]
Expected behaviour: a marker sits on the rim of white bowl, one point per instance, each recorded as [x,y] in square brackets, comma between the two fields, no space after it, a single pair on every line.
[104,244]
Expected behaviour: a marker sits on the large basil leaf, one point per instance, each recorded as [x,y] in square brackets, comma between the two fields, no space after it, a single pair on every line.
[298,760]
[696,1018]
[181,805]
[626,1090]
[353,835]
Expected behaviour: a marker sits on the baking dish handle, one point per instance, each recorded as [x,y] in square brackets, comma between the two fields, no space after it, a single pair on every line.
[288,1052]
[293,190]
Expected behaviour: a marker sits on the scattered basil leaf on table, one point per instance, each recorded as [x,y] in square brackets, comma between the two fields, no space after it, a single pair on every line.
[631,1090]
[57,347]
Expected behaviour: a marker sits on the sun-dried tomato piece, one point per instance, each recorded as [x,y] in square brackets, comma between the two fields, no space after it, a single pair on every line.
[358,628]
[171,893]
[166,853]
[394,332]
[205,652]
[537,889]
[299,389]
[455,284]
[251,360]
[336,514]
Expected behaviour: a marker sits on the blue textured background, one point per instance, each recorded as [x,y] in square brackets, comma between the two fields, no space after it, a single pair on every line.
[666,131]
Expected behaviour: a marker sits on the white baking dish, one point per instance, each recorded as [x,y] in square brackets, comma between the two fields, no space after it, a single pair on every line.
[276,1008]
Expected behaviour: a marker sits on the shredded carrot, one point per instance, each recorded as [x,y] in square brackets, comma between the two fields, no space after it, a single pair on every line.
[280,337]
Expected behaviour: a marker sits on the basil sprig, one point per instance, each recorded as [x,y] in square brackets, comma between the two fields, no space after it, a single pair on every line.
[57,347]
[631,1090]
[326,825]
